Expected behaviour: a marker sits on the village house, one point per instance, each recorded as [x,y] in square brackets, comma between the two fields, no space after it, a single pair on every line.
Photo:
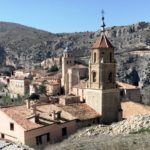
[51,83]
[129,92]
[19,85]
[21,73]
[37,125]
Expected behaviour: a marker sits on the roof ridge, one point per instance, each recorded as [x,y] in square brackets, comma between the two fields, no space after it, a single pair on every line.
[102,42]
[106,40]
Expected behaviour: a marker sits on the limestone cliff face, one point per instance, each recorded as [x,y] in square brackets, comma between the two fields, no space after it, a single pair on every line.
[25,46]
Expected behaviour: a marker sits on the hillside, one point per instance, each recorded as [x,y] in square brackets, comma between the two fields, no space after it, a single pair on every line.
[26,46]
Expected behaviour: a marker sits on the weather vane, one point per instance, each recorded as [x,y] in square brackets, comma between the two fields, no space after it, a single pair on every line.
[103,23]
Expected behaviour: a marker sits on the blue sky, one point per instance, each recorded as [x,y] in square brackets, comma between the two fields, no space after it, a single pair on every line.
[73,15]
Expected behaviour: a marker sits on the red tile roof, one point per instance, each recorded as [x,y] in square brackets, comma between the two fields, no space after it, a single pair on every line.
[18,114]
[102,42]
[125,85]
[132,109]
[80,111]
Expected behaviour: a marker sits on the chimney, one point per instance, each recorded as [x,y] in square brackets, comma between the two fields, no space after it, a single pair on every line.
[55,115]
[33,109]
[28,104]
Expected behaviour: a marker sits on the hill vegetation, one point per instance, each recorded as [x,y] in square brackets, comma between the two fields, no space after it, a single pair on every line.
[23,46]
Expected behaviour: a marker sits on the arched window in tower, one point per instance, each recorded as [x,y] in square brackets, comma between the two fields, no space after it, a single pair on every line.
[110,57]
[94,76]
[94,57]
[110,77]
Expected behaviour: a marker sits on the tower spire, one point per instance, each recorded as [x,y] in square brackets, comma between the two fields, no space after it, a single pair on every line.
[103,23]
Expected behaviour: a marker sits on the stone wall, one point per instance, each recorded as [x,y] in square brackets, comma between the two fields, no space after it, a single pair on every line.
[94,99]
[69,100]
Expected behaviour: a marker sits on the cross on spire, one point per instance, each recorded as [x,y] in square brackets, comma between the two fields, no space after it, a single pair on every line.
[103,23]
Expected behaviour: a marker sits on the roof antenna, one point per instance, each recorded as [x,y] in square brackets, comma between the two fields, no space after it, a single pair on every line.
[103,23]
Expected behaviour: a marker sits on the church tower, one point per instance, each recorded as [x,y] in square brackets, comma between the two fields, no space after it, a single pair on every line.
[102,67]
[67,62]
[102,94]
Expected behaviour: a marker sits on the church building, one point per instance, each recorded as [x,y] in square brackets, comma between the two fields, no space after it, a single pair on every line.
[100,91]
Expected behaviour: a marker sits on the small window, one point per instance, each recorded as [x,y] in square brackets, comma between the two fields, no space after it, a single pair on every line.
[94,76]
[110,77]
[2,136]
[121,93]
[11,126]
[110,57]
[64,131]
[48,137]
[70,61]
[94,57]
[67,62]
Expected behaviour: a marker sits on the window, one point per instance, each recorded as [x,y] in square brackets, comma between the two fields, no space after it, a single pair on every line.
[110,77]
[64,131]
[11,126]
[110,57]
[94,76]
[39,140]
[70,61]
[48,137]
[121,93]
[2,136]
[94,57]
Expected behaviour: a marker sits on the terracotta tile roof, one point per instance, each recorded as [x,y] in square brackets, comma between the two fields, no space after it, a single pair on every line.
[80,111]
[103,42]
[20,114]
[123,85]
[133,109]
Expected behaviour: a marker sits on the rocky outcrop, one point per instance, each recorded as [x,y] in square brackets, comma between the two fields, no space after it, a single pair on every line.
[131,125]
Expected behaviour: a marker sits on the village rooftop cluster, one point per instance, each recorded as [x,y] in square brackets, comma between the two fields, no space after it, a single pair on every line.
[39,107]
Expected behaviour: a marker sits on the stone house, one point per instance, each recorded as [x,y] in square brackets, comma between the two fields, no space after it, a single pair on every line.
[19,85]
[37,125]
[21,73]
[52,85]
[129,92]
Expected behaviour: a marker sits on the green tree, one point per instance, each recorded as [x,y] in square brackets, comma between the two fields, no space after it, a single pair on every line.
[42,89]
[53,68]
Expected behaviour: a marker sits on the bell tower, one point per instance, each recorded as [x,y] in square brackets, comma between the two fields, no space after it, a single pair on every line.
[67,62]
[102,93]
[102,67]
